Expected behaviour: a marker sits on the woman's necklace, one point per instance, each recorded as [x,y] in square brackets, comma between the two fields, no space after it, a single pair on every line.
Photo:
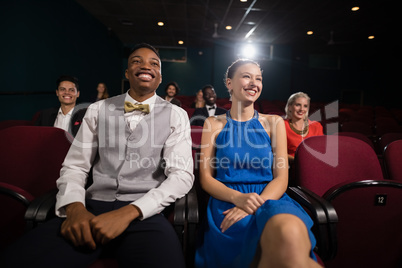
[299,132]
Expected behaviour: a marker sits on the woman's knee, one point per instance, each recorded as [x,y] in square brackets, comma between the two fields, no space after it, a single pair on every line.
[285,229]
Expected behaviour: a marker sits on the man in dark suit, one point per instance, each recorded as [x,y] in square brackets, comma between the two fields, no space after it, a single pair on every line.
[210,109]
[67,116]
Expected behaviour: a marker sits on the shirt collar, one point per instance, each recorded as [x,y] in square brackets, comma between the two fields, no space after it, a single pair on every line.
[210,106]
[69,113]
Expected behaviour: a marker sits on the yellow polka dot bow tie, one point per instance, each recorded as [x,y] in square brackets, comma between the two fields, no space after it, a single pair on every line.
[129,107]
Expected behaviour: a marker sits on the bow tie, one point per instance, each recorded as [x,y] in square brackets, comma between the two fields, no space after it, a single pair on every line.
[129,107]
[211,108]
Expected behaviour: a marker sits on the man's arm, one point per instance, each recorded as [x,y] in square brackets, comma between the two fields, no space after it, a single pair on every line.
[178,168]
[78,162]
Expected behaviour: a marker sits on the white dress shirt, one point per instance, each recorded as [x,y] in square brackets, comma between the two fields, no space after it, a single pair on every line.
[211,109]
[74,173]
[63,120]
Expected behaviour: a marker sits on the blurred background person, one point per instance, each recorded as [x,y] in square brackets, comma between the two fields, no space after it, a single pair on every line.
[298,126]
[171,90]
[210,108]
[102,92]
[65,116]
[199,101]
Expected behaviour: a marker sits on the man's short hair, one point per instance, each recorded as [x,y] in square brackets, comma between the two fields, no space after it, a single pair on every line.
[69,78]
[142,45]
[205,87]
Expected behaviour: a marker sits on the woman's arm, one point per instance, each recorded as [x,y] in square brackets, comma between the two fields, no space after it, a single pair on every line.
[277,187]
[248,202]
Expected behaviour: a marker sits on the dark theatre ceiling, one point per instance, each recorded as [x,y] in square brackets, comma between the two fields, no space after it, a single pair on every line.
[199,23]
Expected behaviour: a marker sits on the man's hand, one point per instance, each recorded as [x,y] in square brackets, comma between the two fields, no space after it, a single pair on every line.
[83,228]
[76,227]
[110,225]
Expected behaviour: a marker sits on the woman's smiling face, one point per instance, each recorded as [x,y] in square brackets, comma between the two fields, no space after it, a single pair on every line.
[299,108]
[246,84]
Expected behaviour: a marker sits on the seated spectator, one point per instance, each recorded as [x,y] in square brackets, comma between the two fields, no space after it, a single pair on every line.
[199,101]
[171,90]
[65,116]
[133,180]
[210,108]
[102,92]
[298,126]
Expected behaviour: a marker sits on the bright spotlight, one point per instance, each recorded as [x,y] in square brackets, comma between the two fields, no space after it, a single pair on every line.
[248,51]
[254,51]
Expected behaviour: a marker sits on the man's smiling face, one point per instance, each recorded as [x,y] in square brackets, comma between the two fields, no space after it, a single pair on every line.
[67,93]
[144,72]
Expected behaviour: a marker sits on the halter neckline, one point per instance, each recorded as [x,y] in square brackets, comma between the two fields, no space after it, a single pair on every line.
[255,116]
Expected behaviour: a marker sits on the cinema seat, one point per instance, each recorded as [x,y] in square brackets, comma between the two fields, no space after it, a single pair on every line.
[345,172]
[31,159]
[393,160]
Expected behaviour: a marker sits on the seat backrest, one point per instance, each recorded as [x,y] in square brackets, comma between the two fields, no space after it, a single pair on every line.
[324,161]
[357,126]
[393,160]
[32,157]
[357,135]
[369,227]
[387,138]
[12,123]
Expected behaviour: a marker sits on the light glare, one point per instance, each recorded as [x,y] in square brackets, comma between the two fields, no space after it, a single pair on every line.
[248,51]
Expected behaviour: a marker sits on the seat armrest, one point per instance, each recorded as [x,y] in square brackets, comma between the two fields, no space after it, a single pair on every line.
[325,219]
[16,192]
[179,217]
[192,207]
[41,209]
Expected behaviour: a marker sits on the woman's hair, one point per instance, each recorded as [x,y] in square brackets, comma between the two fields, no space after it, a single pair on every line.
[105,94]
[292,100]
[235,65]
[173,84]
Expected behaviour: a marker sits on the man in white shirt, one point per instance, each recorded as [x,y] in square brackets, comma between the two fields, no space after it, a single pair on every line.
[64,117]
[139,148]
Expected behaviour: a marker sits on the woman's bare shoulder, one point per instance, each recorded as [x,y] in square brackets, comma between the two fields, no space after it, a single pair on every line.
[215,122]
[269,120]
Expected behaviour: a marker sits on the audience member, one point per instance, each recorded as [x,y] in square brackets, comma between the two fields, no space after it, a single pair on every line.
[251,221]
[171,90]
[210,108]
[298,126]
[138,146]
[199,101]
[66,116]
[102,92]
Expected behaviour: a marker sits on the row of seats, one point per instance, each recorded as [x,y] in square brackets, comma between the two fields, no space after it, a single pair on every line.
[327,169]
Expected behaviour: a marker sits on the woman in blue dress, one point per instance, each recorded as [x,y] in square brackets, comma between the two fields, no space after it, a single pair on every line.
[251,221]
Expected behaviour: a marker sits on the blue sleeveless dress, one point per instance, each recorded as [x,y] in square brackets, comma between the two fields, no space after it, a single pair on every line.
[243,162]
